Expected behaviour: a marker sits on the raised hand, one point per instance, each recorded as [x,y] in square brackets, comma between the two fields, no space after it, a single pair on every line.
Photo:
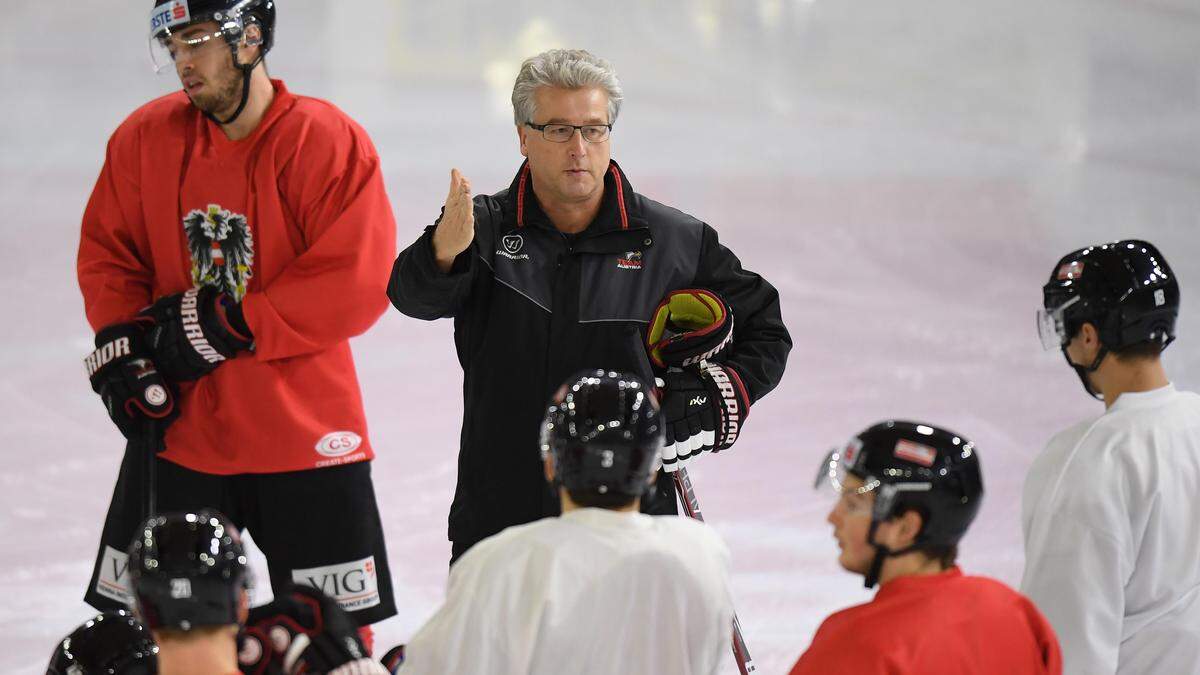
[456,230]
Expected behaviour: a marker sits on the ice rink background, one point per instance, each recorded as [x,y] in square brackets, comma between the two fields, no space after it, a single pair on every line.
[905,173]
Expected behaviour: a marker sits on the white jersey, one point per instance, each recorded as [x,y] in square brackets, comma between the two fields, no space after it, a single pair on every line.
[1111,514]
[592,591]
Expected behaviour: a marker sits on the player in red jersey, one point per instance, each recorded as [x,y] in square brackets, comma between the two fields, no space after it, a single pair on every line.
[908,493]
[237,237]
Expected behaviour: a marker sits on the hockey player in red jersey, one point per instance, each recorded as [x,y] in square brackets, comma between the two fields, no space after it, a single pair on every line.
[237,237]
[908,493]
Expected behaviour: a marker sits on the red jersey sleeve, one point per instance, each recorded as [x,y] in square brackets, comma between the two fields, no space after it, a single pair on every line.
[113,264]
[336,287]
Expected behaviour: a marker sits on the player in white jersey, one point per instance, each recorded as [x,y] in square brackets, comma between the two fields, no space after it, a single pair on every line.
[1110,510]
[601,588]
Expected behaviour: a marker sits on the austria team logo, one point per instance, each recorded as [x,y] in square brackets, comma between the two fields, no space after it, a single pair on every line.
[632,260]
[222,249]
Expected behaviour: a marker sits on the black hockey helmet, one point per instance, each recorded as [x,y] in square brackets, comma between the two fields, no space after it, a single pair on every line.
[1124,288]
[112,643]
[911,466]
[188,570]
[605,432]
[168,18]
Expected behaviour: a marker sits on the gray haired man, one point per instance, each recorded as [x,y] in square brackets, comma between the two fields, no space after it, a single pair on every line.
[560,272]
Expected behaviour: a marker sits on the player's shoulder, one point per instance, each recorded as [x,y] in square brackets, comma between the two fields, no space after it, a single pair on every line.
[164,114]
[319,122]
[1072,435]
[1153,410]
[684,526]
[1121,432]
[1090,453]
[524,538]
[689,533]
[987,588]
[319,111]
[850,640]
[852,625]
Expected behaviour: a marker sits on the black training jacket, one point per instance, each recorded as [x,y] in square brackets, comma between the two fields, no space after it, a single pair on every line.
[532,307]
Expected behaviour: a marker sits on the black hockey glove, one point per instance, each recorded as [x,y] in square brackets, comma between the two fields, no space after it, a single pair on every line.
[393,659]
[704,410]
[195,331]
[704,404]
[256,656]
[133,391]
[309,633]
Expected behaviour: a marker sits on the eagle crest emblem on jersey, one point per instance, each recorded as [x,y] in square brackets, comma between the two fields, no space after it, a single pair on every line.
[222,249]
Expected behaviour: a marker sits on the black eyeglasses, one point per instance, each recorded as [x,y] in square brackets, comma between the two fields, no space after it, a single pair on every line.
[561,133]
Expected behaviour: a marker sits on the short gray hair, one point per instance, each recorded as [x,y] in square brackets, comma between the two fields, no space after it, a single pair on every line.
[564,69]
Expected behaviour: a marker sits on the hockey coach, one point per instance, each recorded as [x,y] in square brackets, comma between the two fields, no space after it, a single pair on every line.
[561,272]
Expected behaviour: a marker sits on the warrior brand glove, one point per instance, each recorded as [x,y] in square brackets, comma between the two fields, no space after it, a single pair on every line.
[195,331]
[256,655]
[687,328]
[704,410]
[131,387]
[307,632]
[704,404]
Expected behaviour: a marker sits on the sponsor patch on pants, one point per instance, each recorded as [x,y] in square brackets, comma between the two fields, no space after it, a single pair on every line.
[353,584]
[113,582]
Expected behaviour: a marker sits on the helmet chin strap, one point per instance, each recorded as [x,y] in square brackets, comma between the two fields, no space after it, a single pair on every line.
[881,553]
[247,69]
[1082,371]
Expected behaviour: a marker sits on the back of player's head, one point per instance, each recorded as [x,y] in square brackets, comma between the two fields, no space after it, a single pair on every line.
[605,434]
[1125,289]
[188,571]
[112,643]
[914,466]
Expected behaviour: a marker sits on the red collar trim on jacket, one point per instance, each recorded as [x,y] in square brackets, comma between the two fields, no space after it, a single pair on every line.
[620,185]
[618,182]
[521,195]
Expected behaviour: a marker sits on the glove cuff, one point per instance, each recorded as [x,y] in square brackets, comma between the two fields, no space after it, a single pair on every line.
[688,327]
[233,321]
[727,388]
[113,343]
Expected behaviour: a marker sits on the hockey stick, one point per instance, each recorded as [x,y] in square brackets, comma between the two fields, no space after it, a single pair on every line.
[151,442]
[691,505]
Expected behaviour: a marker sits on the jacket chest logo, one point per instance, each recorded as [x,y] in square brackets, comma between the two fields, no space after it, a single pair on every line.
[222,249]
[511,245]
[630,260]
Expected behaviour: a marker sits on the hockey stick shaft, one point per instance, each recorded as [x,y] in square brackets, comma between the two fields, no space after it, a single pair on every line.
[151,443]
[691,506]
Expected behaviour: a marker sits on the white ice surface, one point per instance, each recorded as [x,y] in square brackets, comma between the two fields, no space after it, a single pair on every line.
[905,173]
